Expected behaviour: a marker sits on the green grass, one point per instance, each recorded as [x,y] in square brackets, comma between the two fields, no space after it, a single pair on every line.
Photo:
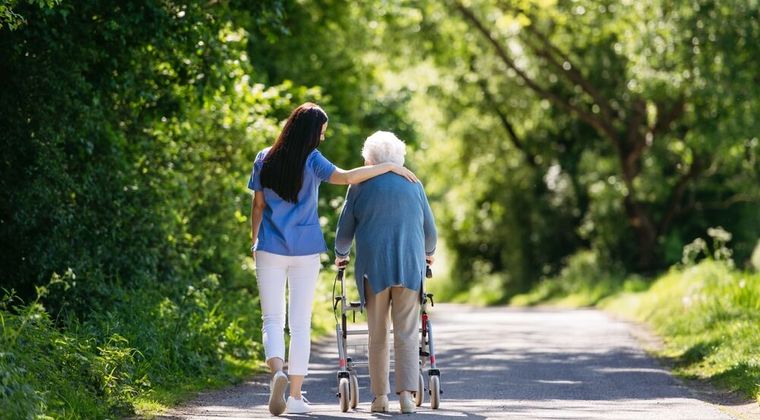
[231,371]
[707,314]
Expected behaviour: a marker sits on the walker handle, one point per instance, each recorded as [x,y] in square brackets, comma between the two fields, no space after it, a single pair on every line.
[428,272]
[341,268]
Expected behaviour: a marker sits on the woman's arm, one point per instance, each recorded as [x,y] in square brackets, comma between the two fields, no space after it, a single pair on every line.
[344,235]
[257,213]
[363,173]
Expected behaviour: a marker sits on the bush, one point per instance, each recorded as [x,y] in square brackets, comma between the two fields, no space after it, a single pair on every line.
[150,339]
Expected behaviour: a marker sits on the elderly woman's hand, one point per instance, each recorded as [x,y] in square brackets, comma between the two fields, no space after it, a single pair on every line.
[340,260]
[406,173]
[430,259]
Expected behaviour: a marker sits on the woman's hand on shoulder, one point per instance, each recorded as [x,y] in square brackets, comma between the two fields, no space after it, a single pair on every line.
[403,171]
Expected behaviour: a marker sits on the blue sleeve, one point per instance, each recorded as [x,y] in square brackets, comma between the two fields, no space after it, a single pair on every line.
[254,182]
[344,236]
[322,167]
[431,234]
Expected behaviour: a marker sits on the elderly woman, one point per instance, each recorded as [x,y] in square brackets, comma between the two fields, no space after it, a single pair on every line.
[395,236]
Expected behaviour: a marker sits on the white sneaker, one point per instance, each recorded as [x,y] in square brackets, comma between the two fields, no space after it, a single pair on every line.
[277,393]
[298,406]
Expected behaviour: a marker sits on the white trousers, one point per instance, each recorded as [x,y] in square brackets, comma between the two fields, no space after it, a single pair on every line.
[300,273]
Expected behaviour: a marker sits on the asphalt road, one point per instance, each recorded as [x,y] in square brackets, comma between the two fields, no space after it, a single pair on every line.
[502,363]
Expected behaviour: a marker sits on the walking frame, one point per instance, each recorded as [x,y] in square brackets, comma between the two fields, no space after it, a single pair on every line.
[347,375]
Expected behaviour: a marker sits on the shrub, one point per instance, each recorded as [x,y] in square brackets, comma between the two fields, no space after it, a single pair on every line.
[155,338]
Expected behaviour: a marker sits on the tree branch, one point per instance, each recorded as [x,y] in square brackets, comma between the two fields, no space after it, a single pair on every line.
[730,201]
[508,127]
[664,119]
[549,50]
[598,123]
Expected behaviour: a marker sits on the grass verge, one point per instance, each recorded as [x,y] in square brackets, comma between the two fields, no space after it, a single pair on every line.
[709,316]
[231,371]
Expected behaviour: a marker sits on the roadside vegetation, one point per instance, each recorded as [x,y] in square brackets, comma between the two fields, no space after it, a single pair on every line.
[709,317]
[143,351]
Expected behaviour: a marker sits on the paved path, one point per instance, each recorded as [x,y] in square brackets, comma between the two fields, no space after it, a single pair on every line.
[504,363]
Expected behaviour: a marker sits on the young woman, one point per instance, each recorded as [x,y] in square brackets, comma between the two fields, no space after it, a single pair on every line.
[288,240]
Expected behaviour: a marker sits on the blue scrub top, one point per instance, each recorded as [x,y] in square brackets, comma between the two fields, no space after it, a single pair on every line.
[292,228]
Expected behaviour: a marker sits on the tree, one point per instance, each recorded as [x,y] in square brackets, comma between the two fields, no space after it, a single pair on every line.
[650,79]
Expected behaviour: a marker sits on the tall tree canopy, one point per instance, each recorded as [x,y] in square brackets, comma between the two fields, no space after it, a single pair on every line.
[628,127]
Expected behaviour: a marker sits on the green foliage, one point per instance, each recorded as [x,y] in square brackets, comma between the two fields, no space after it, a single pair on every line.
[149,340]
[624,128]
[13,20]
[129,133]
[99,173]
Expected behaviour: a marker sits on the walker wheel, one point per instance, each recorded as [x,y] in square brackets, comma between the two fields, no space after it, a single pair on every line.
[343,394]
[419,396]
[435,392]
[354,391]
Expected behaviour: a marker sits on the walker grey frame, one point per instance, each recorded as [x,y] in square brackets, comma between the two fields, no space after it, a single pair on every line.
[347,374]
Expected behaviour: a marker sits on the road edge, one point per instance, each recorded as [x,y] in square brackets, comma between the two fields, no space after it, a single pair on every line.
[728,402]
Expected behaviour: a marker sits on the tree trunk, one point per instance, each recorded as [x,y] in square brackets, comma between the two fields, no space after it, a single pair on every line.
[646,234]
[630,149]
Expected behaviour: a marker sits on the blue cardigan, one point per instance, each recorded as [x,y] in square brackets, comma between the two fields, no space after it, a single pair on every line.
[394,228]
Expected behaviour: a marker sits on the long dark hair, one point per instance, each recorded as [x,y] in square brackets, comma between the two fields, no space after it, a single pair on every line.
[282,171]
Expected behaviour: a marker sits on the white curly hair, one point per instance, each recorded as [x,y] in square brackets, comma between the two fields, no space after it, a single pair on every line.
[384,146]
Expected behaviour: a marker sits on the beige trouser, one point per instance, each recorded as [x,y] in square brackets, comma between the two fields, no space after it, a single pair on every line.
[403,306]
